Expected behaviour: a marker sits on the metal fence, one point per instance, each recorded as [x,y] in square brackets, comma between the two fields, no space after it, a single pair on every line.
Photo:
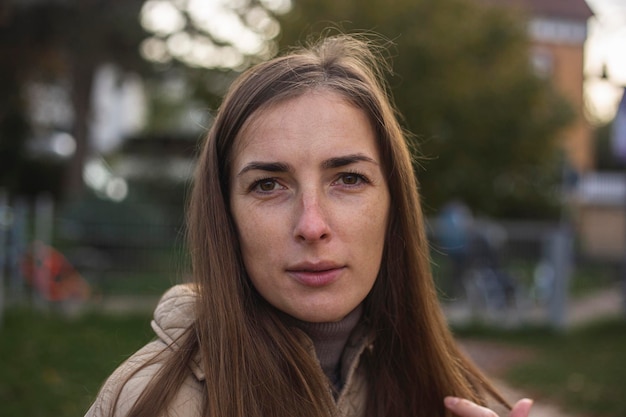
[505,272]
[51,255]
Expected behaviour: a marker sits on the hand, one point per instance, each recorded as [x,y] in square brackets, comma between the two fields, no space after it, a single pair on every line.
[466,408]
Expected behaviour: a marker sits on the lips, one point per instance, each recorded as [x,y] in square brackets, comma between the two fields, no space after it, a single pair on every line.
[316,275]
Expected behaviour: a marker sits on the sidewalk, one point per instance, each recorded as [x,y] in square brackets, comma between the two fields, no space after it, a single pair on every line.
[608,302]
[491,358]
[127,304]
[605,302]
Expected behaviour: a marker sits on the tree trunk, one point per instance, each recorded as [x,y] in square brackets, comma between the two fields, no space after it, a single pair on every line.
[82,85]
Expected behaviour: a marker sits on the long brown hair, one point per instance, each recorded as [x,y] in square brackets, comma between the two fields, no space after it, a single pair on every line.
[254,365]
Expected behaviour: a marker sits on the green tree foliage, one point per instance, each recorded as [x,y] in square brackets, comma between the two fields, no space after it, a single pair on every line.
[485,126]
[205,45]
[64,43]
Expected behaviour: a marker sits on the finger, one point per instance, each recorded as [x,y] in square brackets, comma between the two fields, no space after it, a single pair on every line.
[466,408]
[521,408]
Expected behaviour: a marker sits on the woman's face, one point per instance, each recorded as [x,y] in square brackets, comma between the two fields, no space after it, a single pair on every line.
[311,205]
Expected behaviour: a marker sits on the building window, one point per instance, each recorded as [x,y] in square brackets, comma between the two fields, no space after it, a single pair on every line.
[542,61]
[558,31]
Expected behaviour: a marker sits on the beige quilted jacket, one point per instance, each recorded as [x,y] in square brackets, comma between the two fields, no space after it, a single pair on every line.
[174,313]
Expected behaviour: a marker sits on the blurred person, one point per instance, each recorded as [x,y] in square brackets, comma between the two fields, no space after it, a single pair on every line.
[473,248]
[312,291]
[455,226]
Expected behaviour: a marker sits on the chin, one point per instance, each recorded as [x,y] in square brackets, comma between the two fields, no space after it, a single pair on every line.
[321,317]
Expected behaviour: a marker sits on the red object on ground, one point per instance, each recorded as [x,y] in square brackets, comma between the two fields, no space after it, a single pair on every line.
[52,275]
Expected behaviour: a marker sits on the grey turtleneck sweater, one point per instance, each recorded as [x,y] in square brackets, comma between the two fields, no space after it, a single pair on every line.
[330,340]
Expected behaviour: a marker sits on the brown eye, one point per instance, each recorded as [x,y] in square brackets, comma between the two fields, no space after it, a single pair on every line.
[350,179]
[266,185]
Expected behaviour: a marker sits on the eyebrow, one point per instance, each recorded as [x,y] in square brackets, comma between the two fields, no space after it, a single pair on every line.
[342,161]
[265,166]
[336,162]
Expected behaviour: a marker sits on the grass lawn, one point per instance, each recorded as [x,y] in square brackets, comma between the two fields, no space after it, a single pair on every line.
[583,370]
[54,366]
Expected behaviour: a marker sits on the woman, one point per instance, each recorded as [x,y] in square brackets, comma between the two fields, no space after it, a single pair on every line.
[313,294]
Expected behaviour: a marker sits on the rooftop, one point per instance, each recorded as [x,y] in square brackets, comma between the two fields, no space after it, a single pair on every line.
[569,9]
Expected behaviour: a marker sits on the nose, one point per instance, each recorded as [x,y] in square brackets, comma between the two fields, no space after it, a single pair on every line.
[311,220]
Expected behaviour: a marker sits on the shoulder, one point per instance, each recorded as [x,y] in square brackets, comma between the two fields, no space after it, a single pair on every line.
[119,384]
[129,380]
[173,315]
[175,312]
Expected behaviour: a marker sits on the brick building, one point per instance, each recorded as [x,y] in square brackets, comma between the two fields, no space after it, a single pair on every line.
[558,31]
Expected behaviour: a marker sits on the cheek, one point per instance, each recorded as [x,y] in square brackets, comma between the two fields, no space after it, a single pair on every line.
[382,222]
[258,240]
[368,228]
[374,219]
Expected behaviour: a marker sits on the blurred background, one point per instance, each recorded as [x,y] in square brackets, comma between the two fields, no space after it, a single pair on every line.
[518,122]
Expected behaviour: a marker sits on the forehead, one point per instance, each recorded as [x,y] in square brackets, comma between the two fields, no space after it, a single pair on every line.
[319,114]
